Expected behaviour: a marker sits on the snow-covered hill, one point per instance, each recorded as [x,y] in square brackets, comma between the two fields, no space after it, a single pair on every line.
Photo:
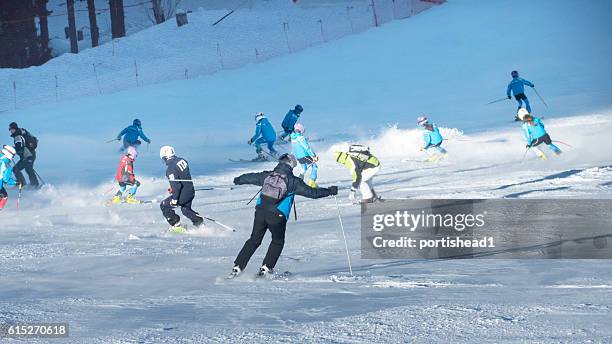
[116,277]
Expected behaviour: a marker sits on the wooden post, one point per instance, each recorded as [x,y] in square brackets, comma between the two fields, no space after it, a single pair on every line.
[44,27]
[220,56]
[117,18]
[286,29]
[158,12]
[74,44]
[56,89]
[374,13]
[15,94]
[93,23]
[136,71]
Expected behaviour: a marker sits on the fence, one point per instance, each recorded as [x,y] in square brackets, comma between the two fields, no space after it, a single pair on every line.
[165,52]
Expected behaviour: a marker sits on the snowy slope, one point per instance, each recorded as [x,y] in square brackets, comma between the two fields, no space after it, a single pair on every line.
[116,277]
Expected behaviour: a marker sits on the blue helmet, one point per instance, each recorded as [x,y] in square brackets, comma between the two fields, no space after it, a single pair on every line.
[299,108]
[514,74]
[137,123]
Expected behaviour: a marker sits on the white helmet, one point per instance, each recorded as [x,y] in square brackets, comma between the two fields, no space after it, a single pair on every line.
[166,152]
[259,117]
[299,128]
[359,148]
[422,120]
[522,112]
[131,151]
[9,152]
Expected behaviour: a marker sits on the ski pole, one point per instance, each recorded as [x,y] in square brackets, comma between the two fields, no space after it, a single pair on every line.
[219,223]
[348,256]
[525,154]
[498,100]
[539,96]
[252,198]
[19,197]
[113,140]
[109,189]
[563,143]
[294,210]
[39,177]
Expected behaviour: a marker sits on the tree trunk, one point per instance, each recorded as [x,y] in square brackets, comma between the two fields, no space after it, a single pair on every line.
[93,23]
[117,18]
[158,11]
[44,28]
[74,46]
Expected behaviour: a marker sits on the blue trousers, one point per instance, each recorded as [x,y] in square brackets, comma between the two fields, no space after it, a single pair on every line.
[519,99]
[260,141]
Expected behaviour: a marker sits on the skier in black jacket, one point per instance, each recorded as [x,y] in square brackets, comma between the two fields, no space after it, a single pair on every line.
[279,187]
[181,190]
[26,149]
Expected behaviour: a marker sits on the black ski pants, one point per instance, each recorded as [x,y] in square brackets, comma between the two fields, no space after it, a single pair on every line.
[264,220]
[172,218]
[27,165]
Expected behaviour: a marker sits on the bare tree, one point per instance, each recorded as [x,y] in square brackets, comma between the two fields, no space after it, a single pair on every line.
[93,23]
[161,10]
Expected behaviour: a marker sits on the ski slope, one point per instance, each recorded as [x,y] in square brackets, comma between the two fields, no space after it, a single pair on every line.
[117,277]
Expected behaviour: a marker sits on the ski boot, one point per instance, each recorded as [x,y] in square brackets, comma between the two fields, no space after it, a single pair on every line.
[131,200]
[312,183]
[260,156]
[177,229]
[117,199]
[236,270]
[264,271]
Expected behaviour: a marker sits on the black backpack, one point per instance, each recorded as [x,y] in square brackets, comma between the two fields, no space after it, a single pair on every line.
[275,186]
[31,141]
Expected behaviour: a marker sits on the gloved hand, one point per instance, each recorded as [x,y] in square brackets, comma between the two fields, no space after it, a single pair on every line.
[119,139]
[528,146]
[149,142]
[174,202]
[249,142]
[509,97]
[532,85]
[315,159]
[421,149]
[19,185]
[170,190]
[352,194]
[236,181]
[333,190]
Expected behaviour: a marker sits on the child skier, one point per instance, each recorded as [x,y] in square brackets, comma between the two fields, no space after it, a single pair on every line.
[6,173]
[431,138]
[181,191]
[126,178]
[517,87]
[131,134]
[290,119]
[535,134]
[264,133]
[363,166]
[304,154]
[278,188]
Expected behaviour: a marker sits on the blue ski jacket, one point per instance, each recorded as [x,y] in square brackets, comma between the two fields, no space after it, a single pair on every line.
[264,129]
[300,146]
[535,131]
[432,137]
[290,119]
[517,86]
[6,172]
[132,133]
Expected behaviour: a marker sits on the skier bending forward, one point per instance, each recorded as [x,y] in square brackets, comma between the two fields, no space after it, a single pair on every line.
[535,134]
[363,166]
[181,191]
[278,188]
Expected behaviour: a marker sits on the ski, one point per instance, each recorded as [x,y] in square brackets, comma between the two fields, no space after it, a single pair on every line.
[248,161]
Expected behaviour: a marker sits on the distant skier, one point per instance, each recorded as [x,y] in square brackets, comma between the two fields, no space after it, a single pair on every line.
[126,178]
[432,139]
[363,166]
[535,134]
[304,154]
[181,191]
[264,134]
[517,87]
[278,188]
[131,135]
[25,145]
[289,121]
[6,173]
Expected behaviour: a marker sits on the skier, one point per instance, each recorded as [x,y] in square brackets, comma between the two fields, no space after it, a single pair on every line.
[126,177]
[131,134]
[181,191]
[264,133]
[535,134]
[278,188]
[363,166]
[290,119]
[304,154]
[431,138]
[517,87]
[6,173]
[25,145]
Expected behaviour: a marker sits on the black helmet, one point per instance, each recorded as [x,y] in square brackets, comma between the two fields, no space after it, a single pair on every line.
[288,159]
[514,74]
[137,122]
[13,125]
[299,108]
